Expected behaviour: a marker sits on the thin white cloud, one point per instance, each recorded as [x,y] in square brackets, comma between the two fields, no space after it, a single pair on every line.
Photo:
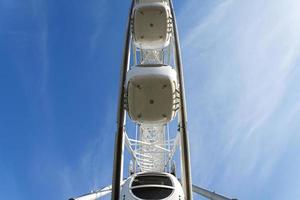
[239,60]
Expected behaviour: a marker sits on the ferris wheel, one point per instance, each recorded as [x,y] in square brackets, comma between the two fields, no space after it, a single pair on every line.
[152,98]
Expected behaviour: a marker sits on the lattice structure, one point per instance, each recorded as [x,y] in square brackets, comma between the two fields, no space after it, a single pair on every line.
[151,57]
[154,149]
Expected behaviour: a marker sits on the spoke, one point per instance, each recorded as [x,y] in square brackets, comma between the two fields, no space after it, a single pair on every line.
[208,194]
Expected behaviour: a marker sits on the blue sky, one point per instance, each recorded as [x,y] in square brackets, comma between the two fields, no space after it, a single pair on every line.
[59,76]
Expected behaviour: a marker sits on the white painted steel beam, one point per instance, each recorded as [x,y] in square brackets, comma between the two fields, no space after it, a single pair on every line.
[208,194]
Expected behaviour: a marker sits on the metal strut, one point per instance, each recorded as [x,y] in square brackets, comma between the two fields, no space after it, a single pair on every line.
[119,138]
[208,194]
